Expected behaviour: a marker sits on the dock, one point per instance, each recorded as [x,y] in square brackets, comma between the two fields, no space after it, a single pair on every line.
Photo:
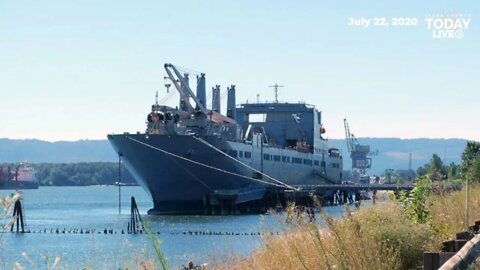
[260,200]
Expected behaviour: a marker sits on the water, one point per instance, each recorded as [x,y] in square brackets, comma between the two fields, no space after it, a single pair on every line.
[96,207]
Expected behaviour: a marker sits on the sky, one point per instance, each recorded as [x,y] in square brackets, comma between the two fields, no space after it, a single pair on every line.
[73,70]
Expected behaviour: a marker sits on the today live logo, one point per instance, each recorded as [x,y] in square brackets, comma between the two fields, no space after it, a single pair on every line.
[447,25]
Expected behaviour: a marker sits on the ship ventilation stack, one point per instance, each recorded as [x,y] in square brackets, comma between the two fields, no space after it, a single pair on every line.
[216,98]
[231,110]
[183,107]
[201,90]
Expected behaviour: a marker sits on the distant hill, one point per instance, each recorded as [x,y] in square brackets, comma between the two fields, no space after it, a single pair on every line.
[392,152]
[35,151]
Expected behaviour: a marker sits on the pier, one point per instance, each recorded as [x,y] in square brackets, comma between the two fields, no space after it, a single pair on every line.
[260,200]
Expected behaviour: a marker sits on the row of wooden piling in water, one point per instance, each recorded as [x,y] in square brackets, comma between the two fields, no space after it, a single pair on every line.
[134,226]
[61,231]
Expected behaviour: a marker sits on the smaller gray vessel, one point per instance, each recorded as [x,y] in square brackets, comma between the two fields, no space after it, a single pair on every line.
[190,157]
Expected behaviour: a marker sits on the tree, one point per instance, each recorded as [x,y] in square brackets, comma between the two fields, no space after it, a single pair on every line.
[58,178]
[435,168]
[471,152]
[473,172]
[389,175]
[415,207]
[422,170]
[453,170]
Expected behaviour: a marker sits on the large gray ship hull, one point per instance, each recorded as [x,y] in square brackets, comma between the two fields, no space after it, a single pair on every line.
[182,172]
[178,186]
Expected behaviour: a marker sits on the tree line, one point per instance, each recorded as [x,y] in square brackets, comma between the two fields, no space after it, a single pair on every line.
[469,167]
[75,174]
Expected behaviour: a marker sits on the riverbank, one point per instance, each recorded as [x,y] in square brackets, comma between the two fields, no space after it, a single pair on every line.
[381,236]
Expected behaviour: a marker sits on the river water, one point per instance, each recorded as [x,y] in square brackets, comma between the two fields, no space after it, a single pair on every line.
[96,207]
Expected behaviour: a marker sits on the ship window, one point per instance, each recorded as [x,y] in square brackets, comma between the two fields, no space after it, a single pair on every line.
[284,159]
[322,164]
[315,162]
[333,152]
[266,156]
[240,154]
[307,161]
[248,154]
[296,160]
[276,158]
[257,117]
[233,153]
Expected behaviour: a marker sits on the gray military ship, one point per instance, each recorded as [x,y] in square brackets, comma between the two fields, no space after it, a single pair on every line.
[191,159]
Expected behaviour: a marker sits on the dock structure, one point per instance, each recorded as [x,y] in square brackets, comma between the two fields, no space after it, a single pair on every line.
[259,200]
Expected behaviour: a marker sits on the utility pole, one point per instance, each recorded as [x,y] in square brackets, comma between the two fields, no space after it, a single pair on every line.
[119,185]
[467,204]
[410,174]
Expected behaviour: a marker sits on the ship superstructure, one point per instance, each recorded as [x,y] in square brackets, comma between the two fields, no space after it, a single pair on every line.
[189,156]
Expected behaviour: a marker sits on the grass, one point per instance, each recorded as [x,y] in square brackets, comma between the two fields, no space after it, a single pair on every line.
[378,237]
[448,212]
[382,236]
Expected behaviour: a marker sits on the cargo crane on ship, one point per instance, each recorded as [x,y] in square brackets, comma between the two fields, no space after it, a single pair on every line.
[359,153]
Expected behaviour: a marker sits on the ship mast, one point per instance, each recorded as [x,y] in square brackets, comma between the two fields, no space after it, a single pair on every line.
[275,88]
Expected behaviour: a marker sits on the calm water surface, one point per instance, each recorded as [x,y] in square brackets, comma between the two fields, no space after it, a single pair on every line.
[96,207]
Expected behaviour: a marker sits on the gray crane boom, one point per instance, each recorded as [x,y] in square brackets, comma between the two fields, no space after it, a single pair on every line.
[184,95]
[348,136]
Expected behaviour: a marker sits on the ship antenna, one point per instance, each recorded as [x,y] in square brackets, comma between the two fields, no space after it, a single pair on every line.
[156,98]
[275,88]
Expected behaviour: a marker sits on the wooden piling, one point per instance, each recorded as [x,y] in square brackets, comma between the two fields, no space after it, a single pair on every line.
[18,217]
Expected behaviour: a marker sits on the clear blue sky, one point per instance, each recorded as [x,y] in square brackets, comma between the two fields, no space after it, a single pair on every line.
[82,69]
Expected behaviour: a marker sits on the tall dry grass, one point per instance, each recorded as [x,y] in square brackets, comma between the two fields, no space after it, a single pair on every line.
[447,211]
[377,237]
